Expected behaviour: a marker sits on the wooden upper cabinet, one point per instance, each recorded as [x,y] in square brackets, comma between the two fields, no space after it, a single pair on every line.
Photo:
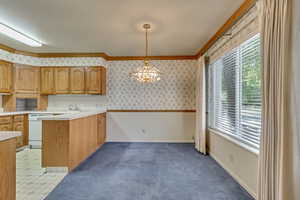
[47,80]
[93,80]
[77,80]
[5,77]
[103,80]
[27,79]
[62,80]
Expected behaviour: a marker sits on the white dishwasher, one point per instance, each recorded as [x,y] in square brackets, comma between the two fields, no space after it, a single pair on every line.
[35,129]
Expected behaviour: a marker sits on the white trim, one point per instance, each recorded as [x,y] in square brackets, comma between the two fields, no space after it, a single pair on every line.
[153,141]
[234,175]
[236,141]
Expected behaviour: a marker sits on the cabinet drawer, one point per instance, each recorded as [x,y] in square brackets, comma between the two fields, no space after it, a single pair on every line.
[18,118]
[5,120]
[20,141]
[5,127]
[18,126]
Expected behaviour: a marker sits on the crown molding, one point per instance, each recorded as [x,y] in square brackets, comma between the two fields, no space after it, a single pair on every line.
[60,55]
[6,48]
[123,58]
[151,111]
[238,14]
[100,55]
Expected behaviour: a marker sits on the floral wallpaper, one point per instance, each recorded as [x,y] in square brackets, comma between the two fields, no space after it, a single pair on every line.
[176,90]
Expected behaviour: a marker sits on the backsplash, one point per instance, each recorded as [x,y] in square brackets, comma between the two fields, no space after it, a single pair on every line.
[84,102]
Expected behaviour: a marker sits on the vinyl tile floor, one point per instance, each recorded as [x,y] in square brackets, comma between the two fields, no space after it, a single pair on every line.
[33,183]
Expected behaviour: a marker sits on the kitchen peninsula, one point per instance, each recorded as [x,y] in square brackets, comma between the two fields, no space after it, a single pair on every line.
[71,138]
[8,164]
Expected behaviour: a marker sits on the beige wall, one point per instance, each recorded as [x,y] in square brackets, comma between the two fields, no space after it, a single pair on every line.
[240,162]
[292,163]
[150,126]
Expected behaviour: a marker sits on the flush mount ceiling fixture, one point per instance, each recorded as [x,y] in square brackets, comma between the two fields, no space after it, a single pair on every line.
[16,35]
[147,73]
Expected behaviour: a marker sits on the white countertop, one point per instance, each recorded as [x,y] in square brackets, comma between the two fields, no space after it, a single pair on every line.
[32,112]
[6,135]
[75,115]
[61,114]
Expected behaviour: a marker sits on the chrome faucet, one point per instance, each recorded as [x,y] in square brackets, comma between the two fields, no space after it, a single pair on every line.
[74,107]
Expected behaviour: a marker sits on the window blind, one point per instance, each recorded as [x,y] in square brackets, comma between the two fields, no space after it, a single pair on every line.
[234,93]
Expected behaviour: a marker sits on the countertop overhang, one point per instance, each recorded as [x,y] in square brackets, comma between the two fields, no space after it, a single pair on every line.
[6,135]
[72,116]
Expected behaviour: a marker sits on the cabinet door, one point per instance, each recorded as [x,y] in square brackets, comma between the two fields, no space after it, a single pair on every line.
[62,80]
[18,126]
[77,83]
[47,80]
[27,79]
[5,77]
[93,80]
[101,138]
[103,80]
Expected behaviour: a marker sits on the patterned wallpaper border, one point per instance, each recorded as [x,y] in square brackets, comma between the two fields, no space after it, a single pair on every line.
[64,61]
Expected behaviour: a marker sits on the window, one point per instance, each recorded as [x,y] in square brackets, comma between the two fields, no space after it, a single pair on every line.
[235,93]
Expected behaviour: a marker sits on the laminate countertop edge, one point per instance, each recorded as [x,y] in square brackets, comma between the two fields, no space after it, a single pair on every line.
[72,116]
[6,135]
[31,112]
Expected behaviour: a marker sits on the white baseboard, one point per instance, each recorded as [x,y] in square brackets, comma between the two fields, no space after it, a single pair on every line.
[234,175]
[154,141]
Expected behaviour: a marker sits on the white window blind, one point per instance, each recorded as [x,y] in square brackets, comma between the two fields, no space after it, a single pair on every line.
[235,93]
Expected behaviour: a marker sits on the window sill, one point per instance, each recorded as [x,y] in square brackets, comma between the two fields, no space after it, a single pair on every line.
[235,141]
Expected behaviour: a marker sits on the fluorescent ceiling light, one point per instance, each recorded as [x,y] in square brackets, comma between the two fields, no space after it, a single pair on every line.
[10,32]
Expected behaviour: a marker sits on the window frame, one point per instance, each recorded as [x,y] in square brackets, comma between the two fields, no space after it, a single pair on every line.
[237,135]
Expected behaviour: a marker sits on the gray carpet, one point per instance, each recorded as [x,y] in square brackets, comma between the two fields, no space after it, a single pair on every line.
[148,171]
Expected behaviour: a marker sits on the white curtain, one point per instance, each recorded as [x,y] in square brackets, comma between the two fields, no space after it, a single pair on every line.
[200,134]
[278,172]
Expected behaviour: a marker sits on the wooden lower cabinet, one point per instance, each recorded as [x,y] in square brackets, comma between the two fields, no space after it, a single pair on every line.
[101,134]
[67,143]
[18,126]
[5,127]
[8,169]
[16,123]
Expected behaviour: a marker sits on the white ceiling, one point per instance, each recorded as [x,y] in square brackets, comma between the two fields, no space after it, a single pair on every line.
[180,27]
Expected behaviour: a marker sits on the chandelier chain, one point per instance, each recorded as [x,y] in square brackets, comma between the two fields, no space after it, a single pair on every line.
[146,44]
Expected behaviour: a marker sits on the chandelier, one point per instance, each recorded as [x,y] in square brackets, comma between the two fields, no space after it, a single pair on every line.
[146,73]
